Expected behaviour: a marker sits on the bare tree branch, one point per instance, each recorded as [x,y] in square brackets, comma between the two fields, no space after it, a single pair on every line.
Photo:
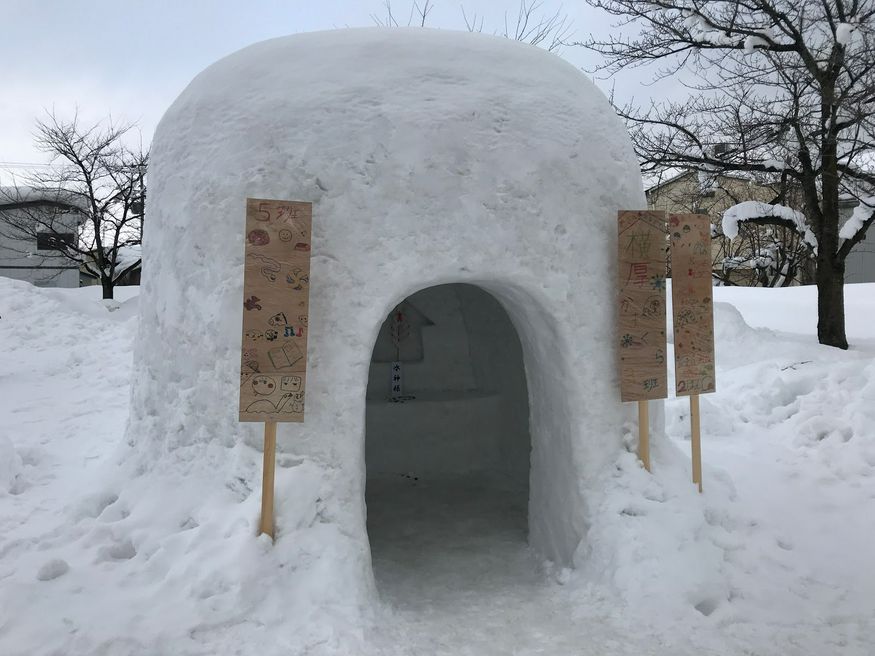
[780,90]
[94,177]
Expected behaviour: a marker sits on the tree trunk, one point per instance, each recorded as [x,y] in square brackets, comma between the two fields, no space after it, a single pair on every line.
[831,301]
[107,285]
[830,272]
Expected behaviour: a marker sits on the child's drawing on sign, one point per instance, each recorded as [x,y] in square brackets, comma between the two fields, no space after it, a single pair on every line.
[631,341]
[278,320]
[707,381]
[653,307]
[276,277]
[290,402]
[263,385]
[291,383]
[297,279]
[258,237]
[250,359]
[687,316]
[285,356]
[693,315]
[263,405]
[271,267]
[290,217]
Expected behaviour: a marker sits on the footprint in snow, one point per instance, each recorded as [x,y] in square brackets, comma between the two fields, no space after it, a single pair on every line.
[52,570]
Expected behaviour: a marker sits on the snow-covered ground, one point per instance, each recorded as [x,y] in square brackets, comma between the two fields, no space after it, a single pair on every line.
[774,557]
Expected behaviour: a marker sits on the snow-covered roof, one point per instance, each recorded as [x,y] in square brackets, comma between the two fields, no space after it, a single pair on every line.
[684,173]
[15,195]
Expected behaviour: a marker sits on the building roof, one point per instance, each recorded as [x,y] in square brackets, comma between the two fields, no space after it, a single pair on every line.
[17,197]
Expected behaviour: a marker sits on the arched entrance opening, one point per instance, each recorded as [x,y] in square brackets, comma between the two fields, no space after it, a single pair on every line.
[447,444]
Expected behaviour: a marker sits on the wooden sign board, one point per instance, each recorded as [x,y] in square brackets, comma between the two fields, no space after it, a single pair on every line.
[642,341]
[276,303]
[692,303]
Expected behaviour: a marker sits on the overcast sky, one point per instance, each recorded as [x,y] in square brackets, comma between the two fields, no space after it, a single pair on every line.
[131,58]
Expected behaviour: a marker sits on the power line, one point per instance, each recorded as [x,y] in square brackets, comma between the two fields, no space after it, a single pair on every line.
[24,164]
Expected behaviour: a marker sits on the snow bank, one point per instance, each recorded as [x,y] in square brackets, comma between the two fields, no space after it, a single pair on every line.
[773,558]
[64,381]
[10,466]
[799,309]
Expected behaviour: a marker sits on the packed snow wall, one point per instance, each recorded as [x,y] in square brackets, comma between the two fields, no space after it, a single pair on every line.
[463,405]
[430,157]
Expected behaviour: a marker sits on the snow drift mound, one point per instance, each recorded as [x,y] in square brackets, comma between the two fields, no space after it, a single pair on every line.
[10,465]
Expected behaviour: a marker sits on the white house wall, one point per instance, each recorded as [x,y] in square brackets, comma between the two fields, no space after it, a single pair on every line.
[21,260]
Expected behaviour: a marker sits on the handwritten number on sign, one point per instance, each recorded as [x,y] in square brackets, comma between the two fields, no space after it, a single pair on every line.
[262,211]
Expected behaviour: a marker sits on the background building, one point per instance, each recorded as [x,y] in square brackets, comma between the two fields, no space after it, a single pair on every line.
[34,223]
[766,256]
[860,265]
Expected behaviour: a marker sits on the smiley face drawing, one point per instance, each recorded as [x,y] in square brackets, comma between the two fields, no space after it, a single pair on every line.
[263,385]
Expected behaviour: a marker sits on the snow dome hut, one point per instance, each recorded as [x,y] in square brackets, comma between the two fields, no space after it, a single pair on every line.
[471,183]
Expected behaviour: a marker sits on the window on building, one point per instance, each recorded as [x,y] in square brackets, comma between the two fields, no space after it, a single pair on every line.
[53,241]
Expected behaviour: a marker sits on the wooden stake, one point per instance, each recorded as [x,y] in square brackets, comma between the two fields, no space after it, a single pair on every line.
[267,479]
[644,434]
[696,440]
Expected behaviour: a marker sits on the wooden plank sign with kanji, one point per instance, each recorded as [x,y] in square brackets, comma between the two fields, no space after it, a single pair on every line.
[641,336]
